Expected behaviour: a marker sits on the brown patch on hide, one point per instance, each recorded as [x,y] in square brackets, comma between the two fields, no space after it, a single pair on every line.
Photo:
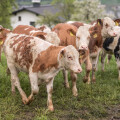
[77,24]
[40,35]
[64,31]
[23,52]
[41,28]
[47,59]
[96,37]
[24,29]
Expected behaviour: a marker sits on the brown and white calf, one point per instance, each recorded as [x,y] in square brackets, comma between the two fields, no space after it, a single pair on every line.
[103,28]
[40,59]
[42,32]
[67,34]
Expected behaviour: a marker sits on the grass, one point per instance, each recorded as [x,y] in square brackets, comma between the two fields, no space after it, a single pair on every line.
[99,101]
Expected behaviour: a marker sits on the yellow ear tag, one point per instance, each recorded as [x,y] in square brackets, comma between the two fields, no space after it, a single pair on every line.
[1,42]
[116,23]
[71,34]
[81,56]
[95,35]
[98,23]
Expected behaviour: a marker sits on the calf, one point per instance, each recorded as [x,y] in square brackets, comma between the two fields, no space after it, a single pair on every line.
[42,32]
[40,59]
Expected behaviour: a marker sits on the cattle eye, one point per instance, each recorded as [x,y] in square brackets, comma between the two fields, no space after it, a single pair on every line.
[70,58]
[78,37]
[106,25]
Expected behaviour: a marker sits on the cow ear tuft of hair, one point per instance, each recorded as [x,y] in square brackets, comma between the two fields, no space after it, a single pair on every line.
[116,23]
[62,53]
[71,32]
[99,22]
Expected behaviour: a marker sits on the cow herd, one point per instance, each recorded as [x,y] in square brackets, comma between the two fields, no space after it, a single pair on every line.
[43,52]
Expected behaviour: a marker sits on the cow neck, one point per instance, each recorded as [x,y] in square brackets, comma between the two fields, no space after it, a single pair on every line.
[47,59]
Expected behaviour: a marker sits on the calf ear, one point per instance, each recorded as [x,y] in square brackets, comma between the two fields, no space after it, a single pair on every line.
[41,35]
[62,53]
[71,32]
[99,22]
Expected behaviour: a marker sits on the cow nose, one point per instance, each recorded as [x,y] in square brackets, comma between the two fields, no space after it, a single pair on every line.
[114,34]
[84,47]
[79,70]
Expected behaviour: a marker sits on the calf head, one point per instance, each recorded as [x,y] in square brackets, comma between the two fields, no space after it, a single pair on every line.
[82,38]
[108,27]
[69,57]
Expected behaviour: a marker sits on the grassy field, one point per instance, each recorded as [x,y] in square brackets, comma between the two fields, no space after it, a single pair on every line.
[99,101]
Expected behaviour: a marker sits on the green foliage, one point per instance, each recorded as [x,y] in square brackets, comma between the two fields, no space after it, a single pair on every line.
[88,10]
[49,19]
[64,7]
[5,11]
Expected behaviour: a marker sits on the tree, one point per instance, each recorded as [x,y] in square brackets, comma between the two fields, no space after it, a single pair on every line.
[64,10]
[5,11]
[88,10]
[48,19]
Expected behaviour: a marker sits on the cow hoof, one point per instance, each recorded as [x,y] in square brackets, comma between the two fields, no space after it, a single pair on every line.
[93,80]
[51,108]
[25,101]
[30,99]
[75,94]
[13,93]
[85,80]
[67,85]
[118,78]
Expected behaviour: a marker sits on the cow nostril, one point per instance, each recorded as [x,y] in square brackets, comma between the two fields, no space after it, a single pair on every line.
[79,70]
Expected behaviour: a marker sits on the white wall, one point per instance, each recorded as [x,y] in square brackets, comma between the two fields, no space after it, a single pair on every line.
[26,18]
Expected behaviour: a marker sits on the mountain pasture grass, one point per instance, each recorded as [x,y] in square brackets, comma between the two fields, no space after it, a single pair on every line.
[96,101]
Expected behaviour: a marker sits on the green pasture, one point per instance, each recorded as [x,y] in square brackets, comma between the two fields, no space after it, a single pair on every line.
[99,101]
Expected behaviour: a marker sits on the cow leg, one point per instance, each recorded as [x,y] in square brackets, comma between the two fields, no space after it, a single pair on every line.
[103,55]
[8,71]
[49,92]
[88,69]
[109,58]
[74,79]
[94,65]
[15,82]
[34,86]
[65,75]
